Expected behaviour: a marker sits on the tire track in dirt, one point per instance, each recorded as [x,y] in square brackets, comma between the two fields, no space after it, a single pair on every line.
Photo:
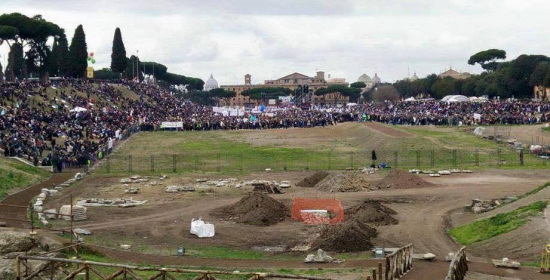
[387,130]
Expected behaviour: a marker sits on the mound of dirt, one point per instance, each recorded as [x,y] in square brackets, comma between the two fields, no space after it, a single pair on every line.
[349,236]
[373,213]
[344,182]
[256,209]
[311,181]
[399,179]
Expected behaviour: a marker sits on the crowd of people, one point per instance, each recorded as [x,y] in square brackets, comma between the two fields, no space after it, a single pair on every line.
[72,122]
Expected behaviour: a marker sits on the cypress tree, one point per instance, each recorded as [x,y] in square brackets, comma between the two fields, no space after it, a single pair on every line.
[118,56]
[53,59]
[16,63]
[78,54]
[63,56]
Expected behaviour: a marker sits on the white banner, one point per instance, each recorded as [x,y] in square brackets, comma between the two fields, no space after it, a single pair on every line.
[171,125]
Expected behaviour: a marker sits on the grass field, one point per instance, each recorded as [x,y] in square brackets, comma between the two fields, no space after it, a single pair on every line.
[347,145]
[496,225]
[15,174]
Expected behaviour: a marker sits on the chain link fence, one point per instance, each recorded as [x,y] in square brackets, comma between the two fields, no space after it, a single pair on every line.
[321,160]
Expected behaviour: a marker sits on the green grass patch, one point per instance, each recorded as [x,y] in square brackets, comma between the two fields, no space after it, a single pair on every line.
[546,129]
[496,225]
[240,152]
[15,175]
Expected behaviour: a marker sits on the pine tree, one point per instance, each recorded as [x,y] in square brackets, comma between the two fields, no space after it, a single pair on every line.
[78,54]
[118,56]
[63,56]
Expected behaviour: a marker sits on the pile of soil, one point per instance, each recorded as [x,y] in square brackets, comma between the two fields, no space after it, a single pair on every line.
[399,179]
[349,236]
[256,209]
[344,182]
[311,181]
[372,212]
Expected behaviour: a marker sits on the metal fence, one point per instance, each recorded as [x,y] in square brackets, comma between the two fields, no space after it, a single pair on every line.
[204,161]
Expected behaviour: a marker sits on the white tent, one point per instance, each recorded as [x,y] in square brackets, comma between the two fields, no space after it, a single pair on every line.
[410,99]
[78,109]
[455,98]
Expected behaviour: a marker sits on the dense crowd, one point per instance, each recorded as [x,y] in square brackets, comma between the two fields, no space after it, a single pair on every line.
[76,122]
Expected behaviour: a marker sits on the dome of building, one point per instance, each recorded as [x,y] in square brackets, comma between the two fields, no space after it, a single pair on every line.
[376,79]
[211,84]
[364,78]
[414,77]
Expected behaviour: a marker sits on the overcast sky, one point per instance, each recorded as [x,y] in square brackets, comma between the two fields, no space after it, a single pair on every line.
[273,38]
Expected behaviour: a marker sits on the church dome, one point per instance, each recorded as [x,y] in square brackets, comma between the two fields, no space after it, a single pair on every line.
[211,84]
[376,79]
[414,77]
[364,78]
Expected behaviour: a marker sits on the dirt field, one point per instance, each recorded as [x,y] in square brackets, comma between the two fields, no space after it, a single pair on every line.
[424,214]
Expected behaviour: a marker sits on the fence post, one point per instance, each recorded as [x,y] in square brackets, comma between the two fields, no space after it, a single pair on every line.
[417,158]
[454,158]
[476,155]
[174,163]
[152,163]
[330,160]
[499,156]
[379,271]
[130,163]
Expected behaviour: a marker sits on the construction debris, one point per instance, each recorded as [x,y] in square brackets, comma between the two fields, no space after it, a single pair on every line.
[131,191]
[482,206]
[506,263]
[82,231]
[268,187]
[175,189]
[320,257]
[79,212]
[119,202]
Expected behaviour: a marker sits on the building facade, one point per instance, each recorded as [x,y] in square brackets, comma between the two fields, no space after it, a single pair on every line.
[541,93]
[455,74]
[291,81]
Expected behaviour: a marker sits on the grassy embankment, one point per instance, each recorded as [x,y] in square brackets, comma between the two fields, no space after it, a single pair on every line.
[15,175]
[496,225]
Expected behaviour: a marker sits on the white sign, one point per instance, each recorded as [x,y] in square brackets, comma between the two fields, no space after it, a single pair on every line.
[171,125]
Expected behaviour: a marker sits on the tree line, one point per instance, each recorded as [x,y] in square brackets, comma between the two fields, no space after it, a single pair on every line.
[30,55]
[505,79]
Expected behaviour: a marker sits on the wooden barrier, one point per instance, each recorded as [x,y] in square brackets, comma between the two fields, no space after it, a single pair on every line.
[458,266]
[51,266]
[399,262]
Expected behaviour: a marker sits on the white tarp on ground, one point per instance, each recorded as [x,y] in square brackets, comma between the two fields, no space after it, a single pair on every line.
[455,98]
[202,229]
[479,131]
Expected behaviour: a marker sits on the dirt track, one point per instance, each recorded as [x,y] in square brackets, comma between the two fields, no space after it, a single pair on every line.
[23,198]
